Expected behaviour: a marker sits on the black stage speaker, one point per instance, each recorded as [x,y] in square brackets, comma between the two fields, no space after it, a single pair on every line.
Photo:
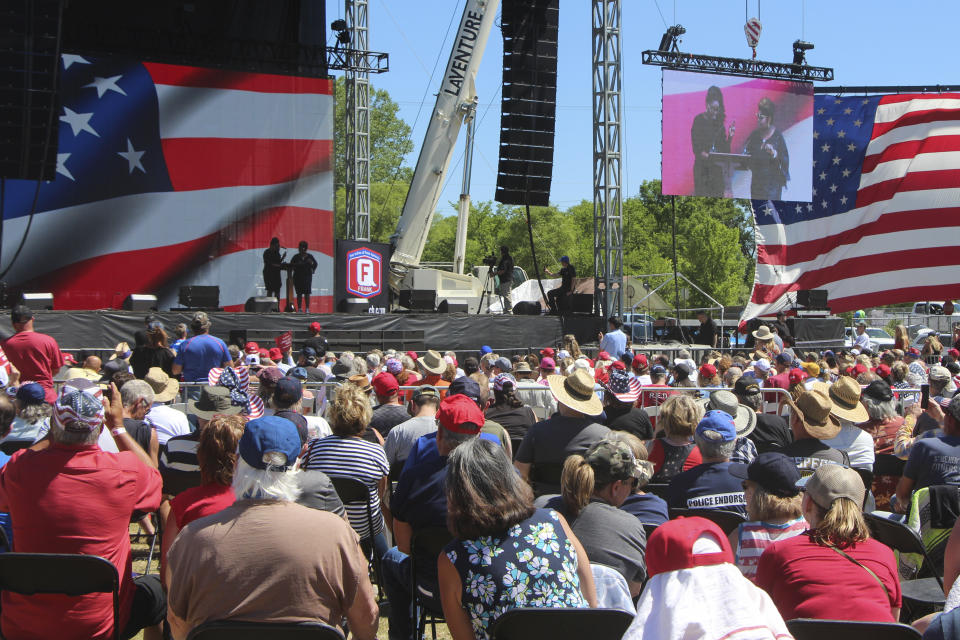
[529,103]
[812,298]
[580,303]
[260,304]
[816,329]
[140,302]
[200,296]
[453,306]
[29,104]
[527,308]
[37,300]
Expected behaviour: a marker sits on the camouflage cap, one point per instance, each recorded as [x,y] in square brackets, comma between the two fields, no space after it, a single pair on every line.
[613,460]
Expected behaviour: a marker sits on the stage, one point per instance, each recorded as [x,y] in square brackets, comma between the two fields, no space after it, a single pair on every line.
[99,330]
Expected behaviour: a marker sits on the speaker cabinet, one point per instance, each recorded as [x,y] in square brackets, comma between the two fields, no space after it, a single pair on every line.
[37,301]
[527,308]
[453,306]
[260,304]
[200,296]
[140,302]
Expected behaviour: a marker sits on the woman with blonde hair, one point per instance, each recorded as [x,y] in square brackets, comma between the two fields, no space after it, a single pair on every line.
[773,507]
[571,345]
[675,451]
[932,345]
[804,575]
[345,454]
[594,486]
[901,339]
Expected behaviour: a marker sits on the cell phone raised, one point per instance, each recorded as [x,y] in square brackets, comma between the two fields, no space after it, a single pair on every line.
[924,396]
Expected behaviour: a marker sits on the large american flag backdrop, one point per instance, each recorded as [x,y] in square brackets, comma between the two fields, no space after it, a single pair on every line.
[884,223]
[171,175]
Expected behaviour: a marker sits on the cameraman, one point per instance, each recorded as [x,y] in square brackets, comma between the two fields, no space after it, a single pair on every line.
[505,273]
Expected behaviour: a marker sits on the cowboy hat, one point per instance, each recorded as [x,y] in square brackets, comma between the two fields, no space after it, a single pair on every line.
[164,387]
[432,362]
[576,392]
[845,396]
[814,410]
[744,418]
[763,333]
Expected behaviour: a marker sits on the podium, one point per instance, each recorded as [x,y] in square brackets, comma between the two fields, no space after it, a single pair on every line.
[728,164]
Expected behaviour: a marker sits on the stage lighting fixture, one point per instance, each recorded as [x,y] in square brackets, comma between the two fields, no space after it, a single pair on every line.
[799,51]
[343,35]
[671,37]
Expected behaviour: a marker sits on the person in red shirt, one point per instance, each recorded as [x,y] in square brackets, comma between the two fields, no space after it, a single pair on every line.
[805,574]
[36,355]
[66,495]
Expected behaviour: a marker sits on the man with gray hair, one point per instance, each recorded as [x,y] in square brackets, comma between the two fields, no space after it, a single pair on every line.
[710,485]
[934,460]
[137,397]
[70,496]
[261,559]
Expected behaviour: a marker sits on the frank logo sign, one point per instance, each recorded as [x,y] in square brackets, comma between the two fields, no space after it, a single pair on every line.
[364,272]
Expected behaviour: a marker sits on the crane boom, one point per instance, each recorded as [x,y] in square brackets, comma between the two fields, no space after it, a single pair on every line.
[456,96]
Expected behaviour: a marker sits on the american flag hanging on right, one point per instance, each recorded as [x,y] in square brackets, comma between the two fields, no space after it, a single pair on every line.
[884,223]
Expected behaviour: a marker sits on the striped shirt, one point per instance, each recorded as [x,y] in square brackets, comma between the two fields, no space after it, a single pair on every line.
[352,458]
[754,537]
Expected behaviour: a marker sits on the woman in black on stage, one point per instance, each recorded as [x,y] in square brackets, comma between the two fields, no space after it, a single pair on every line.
[708,135]
[769,160]
[272,262]
[303,265]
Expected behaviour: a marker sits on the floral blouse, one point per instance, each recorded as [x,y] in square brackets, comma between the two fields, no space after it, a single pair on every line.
[533,565]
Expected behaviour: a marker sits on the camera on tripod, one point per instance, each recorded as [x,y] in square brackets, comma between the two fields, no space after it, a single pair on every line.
[490,261]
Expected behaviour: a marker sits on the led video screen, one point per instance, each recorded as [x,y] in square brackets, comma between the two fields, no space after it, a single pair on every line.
[734,137]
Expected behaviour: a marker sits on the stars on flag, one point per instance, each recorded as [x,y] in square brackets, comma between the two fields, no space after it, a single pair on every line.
[78,122]
[62,165]
[102,85]
[132,157]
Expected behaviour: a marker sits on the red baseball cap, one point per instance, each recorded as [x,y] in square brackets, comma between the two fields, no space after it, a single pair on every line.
[603,355]
[619,365]
[883,371]
[275,354]
[315,326]
[548,352]
[412,354]
[639,361]
[708,370]
[384,384]
[670,546]
[954,353]
[796,376]
[264,353]
[460,414]
[251,347]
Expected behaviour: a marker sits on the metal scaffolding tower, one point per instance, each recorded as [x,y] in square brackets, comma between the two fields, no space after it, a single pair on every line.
[607,198]
[357,112]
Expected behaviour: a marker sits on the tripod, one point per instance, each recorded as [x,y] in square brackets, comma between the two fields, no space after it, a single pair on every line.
[486,291]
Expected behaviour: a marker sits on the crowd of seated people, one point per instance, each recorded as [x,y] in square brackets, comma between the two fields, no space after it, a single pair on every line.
[546,479]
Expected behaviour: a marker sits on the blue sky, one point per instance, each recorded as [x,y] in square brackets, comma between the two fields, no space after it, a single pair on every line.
[879,42]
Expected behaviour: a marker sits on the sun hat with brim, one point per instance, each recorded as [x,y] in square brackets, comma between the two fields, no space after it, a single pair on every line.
[360,381]
[576,392]
[833,481]
[845,396]
[213,401]
[88,374]
[522,367]
[432,362]
[744,418]
[164,387]
[623,387]
[813,408]
[763,333]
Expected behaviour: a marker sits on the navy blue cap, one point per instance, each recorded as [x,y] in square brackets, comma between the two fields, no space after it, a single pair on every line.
[465,386]
[269,434]
[308,352]
[659,369]
[565,259]
[774,472]
[288,391]
[299,373]
[31,393]
[784,358]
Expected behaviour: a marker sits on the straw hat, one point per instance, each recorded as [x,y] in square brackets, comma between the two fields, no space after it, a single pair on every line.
[845,396]
[164,387]
[763,333]
[576,392]
[814,410]
[432,362]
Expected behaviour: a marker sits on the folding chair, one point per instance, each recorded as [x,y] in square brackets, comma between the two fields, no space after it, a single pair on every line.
[726,520]
[545,473]
[425,547]
[235,630]
[529,623]
[809,629]
[901,538]
[355,491]
[68,574]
